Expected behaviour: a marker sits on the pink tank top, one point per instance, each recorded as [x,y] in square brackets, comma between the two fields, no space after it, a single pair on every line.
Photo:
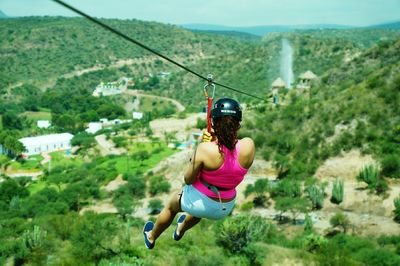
[228,176]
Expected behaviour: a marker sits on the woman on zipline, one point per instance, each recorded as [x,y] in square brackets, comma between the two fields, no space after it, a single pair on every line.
[216,168]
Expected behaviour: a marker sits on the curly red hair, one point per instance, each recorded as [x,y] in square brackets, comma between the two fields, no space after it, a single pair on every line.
[226,129]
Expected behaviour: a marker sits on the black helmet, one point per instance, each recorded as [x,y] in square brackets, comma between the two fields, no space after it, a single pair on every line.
[226,107]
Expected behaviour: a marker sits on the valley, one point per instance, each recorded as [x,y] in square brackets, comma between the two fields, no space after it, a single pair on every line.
[324,188]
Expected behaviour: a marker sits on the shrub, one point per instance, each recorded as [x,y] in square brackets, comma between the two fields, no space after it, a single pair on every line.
[155,206]
[371,175]
[313,242]
[391,166]
[236,233]
[249,189]
[201,123]
[247,206]
[396,211]
[124,204]
[293,205]
[308,224]
[316,194]
[286,188]
[340,220]
[337,191]
[159,184]
[135,187]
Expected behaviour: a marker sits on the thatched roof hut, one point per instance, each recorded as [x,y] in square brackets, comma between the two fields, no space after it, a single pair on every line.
[278,83]
[308,75]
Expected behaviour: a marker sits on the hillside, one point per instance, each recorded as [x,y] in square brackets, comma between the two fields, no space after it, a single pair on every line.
[324,186]
[345,98]
[46,48]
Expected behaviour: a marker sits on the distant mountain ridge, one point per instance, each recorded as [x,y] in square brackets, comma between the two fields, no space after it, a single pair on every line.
[390,25]
[262,30]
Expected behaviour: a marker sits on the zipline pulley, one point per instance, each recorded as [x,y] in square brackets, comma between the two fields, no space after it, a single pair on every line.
[210,84]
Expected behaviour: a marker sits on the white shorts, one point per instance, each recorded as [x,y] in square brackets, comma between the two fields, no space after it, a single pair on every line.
[199,205]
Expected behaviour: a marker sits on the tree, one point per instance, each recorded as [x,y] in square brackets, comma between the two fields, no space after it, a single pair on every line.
[340,220]
[287,188]
[238,232]
[84,140]
[293,205]
[93,238]
[125,205]
[155,206]
[11,120]
[141,156]
[159,184]
[12,144]
[260,187]
[391,166]
[10,189]
[282,164]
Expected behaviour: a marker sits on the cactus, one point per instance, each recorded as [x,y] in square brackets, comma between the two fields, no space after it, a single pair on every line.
[370,175]
[396,211]
[317,195]
[337,191]
[34,239]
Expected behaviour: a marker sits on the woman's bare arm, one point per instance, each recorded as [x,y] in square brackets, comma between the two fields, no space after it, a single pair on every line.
[196,164]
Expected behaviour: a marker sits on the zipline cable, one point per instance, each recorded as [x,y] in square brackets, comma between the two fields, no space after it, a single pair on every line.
[117,32]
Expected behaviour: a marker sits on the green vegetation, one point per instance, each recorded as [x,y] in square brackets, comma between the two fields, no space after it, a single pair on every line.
[158,184]
[337,191]
[260,188]
[396,203]
[340,220]
[371,175]
[316,193]
[52,66]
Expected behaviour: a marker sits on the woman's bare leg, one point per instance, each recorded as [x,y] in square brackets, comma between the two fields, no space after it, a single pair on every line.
[189,222]
[166,217]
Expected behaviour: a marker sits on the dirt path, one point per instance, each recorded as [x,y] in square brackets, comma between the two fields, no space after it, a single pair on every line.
[138,94]
[115,184]
[34,175]
[107,147]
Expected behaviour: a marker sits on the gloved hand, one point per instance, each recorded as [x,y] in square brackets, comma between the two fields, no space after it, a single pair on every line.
[208,137]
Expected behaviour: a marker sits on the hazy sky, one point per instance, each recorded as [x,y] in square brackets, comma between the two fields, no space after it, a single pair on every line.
[224,12]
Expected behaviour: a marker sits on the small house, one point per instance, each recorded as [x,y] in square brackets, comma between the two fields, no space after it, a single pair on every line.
[43,124]
[46,143]
[93,127]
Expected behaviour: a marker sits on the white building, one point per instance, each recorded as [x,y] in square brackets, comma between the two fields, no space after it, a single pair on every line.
[137,115]
[46,143]
[93,127]
[43,124]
